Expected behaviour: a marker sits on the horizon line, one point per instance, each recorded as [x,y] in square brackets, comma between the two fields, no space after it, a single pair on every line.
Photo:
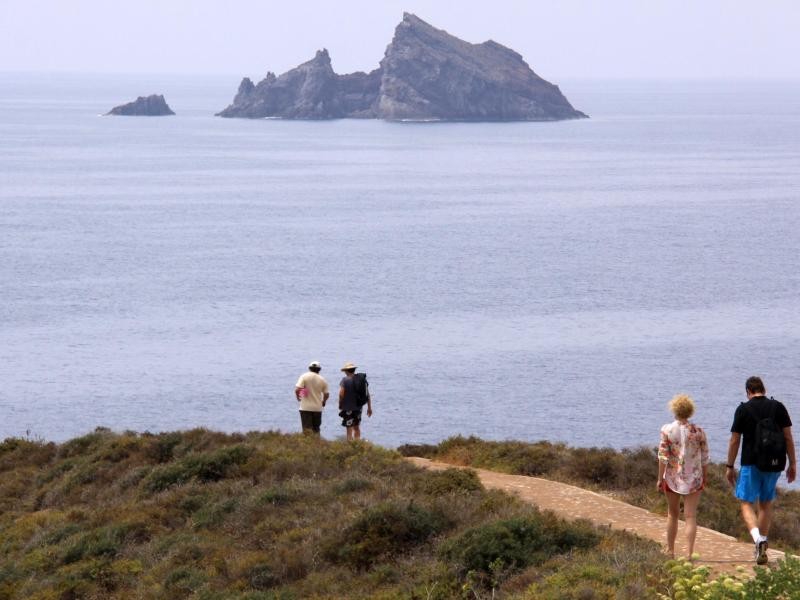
[574,77]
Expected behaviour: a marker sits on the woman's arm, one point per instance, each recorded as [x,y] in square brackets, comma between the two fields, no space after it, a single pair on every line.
[664,450]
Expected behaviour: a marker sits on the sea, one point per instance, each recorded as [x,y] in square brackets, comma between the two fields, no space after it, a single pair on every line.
[529,281]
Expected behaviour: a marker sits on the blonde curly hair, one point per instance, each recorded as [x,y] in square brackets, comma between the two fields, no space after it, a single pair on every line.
[682,406]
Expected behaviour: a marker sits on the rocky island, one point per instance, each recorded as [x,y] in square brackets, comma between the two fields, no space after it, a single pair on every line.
[426,74]
[144,106]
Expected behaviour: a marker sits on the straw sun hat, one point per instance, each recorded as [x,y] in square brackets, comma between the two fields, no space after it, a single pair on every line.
[348,366]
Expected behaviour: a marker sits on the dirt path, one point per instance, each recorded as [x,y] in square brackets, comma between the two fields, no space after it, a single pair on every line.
[719,551]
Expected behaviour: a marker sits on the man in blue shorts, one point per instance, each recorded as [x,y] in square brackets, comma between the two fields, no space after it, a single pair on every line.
[755,486]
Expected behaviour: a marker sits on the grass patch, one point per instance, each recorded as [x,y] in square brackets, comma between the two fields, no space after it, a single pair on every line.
[517,543]
[205,467]
[382,532]
[254,516]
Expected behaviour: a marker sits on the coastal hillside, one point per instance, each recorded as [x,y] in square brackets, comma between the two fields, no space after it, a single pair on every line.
[628,475]
[270,516]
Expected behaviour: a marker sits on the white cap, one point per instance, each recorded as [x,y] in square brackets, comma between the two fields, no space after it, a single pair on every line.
[314,364]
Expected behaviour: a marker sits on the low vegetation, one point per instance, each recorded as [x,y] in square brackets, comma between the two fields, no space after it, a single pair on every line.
[264,516]
[268,516]
[628,475]
[687,582]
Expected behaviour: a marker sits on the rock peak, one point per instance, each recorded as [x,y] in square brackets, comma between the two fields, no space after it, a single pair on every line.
[246,86]
[426,74]
[144,106]
[412,21]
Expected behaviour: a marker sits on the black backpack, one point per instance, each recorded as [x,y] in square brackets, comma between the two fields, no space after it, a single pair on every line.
[769,444]
[360,386]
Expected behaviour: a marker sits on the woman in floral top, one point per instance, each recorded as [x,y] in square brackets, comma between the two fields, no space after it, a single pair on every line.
[682,466]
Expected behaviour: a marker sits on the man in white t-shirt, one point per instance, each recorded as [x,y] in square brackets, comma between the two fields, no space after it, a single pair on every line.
[311,391]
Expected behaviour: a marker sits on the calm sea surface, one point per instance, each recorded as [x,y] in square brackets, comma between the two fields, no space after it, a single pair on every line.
[534,281]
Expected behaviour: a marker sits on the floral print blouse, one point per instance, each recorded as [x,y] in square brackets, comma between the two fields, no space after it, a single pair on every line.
[684,450]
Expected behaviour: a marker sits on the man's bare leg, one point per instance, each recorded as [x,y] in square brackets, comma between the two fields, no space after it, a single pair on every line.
[357,432]
[764,517]
[749,515]
[349,434]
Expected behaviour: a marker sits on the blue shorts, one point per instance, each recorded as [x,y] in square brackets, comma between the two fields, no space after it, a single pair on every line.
[756,485]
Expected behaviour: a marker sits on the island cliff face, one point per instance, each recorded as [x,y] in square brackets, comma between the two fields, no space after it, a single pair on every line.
[309,91]
[426,74]
[149,106]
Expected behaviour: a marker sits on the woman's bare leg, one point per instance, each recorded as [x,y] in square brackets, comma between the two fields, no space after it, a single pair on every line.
[673,510]
[690,503]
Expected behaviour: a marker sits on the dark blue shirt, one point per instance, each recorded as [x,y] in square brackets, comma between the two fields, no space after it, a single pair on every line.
[350,401]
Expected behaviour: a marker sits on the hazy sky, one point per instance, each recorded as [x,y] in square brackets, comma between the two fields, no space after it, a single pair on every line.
[558,38]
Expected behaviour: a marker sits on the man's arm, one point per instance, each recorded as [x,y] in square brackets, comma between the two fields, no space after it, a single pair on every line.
[341,396]
[325,397]
[369,403]
[733,450]
[300,386]
[791,470]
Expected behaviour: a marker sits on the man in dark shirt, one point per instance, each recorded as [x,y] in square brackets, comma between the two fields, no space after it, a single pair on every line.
[349,407]
[755,486]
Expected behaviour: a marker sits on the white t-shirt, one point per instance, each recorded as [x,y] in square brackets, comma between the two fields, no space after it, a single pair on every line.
[312,389]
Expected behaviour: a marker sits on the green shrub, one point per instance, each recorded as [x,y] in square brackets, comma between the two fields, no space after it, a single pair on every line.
[261,577]
[184,581]
[61,533]
[519,458]
[161,448]
[85,444]
[205,467]
[780,582]
[687,582]
[527,459]
[210,516]
[635,467]
[384,530]
[595,465]
[105,541]
[19,452]
[56,471]
[449,481]
[421,450]
[620,567]
[351,485]
[193,502]
[385,574]
[516,543]
[278,495]
[228,595]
